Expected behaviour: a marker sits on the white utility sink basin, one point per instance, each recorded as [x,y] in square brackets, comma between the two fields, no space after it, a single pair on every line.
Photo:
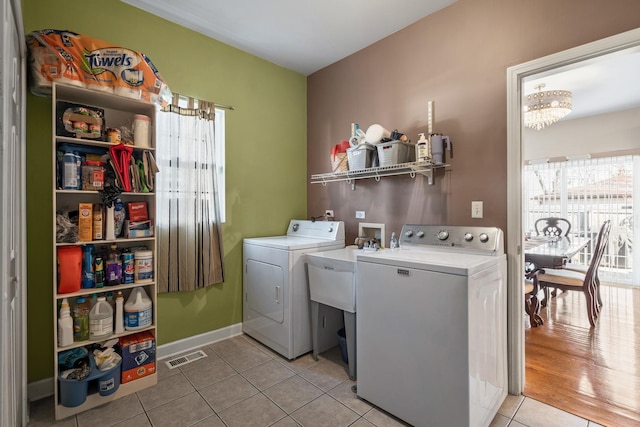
[332,277]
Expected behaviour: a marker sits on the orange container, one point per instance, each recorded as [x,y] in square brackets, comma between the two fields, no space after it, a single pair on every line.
[69,269]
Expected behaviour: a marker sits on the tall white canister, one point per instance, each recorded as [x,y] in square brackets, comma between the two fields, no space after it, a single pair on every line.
[141,130]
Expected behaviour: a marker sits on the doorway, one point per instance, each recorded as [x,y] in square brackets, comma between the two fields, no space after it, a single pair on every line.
[516,77]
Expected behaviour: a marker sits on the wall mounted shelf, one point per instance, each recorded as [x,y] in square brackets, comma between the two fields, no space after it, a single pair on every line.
[424,168]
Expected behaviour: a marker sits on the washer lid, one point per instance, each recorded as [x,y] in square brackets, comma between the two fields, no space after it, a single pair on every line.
[439,261]
[292,243]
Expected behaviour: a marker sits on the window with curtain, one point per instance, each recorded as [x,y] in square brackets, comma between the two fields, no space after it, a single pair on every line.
[587,192]
[188,225]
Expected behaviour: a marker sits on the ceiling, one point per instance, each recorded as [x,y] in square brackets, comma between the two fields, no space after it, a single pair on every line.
[301,35]
[600,85]
[306,36]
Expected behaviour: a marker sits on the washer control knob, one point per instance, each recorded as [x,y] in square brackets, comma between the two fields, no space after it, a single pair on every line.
[468,237]
[484,238]
[296,226]
[420,234]
[330,229]
[408,233]
[443,235]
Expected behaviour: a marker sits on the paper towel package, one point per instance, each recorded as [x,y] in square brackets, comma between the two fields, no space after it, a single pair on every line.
[79,60]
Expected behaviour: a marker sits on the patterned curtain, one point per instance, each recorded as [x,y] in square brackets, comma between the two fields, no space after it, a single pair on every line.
[190,254]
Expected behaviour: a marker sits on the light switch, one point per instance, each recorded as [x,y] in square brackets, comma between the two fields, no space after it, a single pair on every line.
[476,209]
[360,214]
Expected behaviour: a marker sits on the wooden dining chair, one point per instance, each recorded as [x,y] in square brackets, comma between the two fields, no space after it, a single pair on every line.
[552,226]
[587,282]
[531,303]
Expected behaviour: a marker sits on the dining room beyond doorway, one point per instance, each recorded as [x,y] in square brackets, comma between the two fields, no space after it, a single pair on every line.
[586,192]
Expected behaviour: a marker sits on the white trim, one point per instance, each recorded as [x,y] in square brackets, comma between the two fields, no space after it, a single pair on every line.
[44,388]
[515,75]
[40,389]
[170,349]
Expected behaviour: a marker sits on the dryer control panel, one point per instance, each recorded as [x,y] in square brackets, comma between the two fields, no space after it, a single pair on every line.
[330,230]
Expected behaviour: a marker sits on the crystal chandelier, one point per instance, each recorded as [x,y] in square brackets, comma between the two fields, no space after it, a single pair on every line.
[545,108]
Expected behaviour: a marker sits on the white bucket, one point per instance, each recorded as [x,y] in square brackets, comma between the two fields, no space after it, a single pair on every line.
[137,310]
[143,268]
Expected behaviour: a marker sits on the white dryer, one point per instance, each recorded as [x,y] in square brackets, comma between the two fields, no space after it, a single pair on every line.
[431,326]
[276,295]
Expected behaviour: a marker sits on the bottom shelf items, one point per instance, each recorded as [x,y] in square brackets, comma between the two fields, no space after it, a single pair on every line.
[96,374]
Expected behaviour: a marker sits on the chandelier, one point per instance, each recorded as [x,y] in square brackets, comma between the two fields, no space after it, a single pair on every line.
[545,108]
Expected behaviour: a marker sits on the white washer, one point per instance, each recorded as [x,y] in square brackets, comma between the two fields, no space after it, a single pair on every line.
[276,296]
[431,326]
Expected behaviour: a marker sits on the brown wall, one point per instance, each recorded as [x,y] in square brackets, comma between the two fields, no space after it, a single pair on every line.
[457,58]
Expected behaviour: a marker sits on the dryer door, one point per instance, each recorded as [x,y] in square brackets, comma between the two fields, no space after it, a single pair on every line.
[265,288]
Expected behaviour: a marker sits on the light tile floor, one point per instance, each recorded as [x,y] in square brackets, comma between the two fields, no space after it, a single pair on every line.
[243,383]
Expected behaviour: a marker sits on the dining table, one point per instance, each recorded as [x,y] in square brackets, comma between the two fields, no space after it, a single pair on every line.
[542,252]
[552,252]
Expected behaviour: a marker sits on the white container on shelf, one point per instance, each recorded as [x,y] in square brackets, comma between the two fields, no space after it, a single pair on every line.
[100,320]
[138,312]
[119,313]
[143,267]
[141,127]
[65,325]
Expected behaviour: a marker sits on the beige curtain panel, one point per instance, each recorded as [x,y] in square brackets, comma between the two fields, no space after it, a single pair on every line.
[190,254]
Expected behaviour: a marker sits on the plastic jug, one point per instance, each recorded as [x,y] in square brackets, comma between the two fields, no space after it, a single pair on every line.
[137,310]
[100,320]
[65,325]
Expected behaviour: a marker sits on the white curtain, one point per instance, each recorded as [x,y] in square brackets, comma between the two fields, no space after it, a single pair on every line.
[190,254]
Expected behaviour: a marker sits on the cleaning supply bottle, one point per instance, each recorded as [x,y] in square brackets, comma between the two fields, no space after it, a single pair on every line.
[137,310]
[119,313]
[422,148]
[393,242]
[100,320]
[65,325]
[81,319]
[114,266]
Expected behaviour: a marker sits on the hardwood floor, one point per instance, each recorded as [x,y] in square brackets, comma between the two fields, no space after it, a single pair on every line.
[591,372]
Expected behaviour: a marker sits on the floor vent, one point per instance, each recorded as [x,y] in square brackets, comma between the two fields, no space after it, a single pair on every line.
[187,358]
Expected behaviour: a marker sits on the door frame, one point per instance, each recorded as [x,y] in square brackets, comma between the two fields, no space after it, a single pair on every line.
[515,256]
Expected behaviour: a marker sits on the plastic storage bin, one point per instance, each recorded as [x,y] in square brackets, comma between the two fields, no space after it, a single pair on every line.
[74,392]
[394,152]
[342,340]
[361,156]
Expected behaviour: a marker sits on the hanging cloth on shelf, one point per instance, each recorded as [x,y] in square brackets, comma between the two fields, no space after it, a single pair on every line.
[120,155]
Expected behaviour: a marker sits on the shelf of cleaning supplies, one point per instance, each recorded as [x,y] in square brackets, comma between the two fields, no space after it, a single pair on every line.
[424,168]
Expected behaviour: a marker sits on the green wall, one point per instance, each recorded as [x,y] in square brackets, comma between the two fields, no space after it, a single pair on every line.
[265,157]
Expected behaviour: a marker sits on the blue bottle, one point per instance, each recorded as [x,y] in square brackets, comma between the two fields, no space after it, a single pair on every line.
[88,272]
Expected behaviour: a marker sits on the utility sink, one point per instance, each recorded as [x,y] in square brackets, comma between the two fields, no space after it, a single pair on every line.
[332,277]
[332,282]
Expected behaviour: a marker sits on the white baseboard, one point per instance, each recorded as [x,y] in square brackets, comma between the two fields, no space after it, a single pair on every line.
[44,388]
[169,349]
[40,389]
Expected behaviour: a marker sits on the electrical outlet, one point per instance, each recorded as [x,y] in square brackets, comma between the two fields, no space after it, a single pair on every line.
[476,209]
[360,214]
[328,213]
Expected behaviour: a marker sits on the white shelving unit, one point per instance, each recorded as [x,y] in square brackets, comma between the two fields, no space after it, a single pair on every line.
[118,111]
[424,168]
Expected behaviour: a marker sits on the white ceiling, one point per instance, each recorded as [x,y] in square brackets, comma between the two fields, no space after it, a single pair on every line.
[301,35]
[601,85]
[308,35]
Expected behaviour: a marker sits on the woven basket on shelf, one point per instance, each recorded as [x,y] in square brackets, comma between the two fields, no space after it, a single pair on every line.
[339,163]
